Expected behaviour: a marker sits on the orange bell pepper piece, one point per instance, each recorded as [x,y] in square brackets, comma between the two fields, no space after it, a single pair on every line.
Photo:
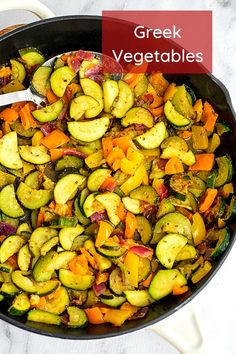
[121,212]
[116,154]
[9,115]
[159,83]
[107,146]
[79,265]
[204,162]
[51,97]
[130,225]
[104,232]
[174,165]
[95,315]
[117,317]
[207,199]
[26,117]
[109,184]
[90,258]
[55,139]
[179,290]
[131,262]
[209,117]
[124,142]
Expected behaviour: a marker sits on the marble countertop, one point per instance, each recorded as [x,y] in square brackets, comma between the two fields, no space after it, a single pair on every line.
[215,305]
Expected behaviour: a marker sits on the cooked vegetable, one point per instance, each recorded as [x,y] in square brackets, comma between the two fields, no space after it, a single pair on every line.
[112,195]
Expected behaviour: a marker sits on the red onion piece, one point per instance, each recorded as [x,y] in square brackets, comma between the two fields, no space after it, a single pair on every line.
[93,70]
[99,288]
[98,78]
[150,211]
[7,229]
[84,55]
[73,152]
[74,63]
[139,314]
[139,127]
[162,191]
[64,111]
[98,216]
[47,128]
[141,251]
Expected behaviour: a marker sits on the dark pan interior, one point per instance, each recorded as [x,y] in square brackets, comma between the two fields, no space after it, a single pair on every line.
[63,34]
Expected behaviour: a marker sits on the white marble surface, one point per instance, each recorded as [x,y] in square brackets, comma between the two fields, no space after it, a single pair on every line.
[215,305]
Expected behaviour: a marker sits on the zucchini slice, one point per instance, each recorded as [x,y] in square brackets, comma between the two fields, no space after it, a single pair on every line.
[116,282]
[91,205]
[144,229]
[77,317]
[67,187]
[22,282]
[225,170]
[164,281]
[88,131]
[111,253]
[87,64]
[32,180]
[80,105]
[112,300]
[124,101]
[96,179]
[144,269]
[68,161]
[20,305]
[168,248]
[44,267]
[173,223]
[60,79]
[10,246]
[132,205]
[33,198]
[110,201]
[139,298]
[18,70]
[6,178]
[48,113]
[110,91]
[41,316]
[181,102]
[187,252]
[68,234]
[24,258]
[58,304]
[138,115]
[63,259]
[223,237]
[93,89]
[37,155]
[74,281]
[146,194]
[153,137]
[175,117]
[31,56]
[48,245]
[9,155]
[188,158]
[39,237]
[9,290]
[8,202]
[40,80]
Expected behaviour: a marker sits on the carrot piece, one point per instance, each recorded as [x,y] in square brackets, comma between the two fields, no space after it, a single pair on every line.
[26,117]
[174,165]
[159,83]
[204,162]
[104,232]
[40,218]
[9,115]
[209,117]
[51,97]
[124,142]
[109,184]
[185,134]
[179,290]
[157,111]
[56,154]
[95,315]
[115,154]
[207,199]
[17,106]
[55,139]
[107,146]
[157,102]
[130,225]
[121,212]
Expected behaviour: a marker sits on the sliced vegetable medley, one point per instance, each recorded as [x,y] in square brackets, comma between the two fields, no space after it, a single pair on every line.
[112,196]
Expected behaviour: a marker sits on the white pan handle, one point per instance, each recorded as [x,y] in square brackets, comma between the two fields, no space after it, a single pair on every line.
[33,6]
[182,330]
